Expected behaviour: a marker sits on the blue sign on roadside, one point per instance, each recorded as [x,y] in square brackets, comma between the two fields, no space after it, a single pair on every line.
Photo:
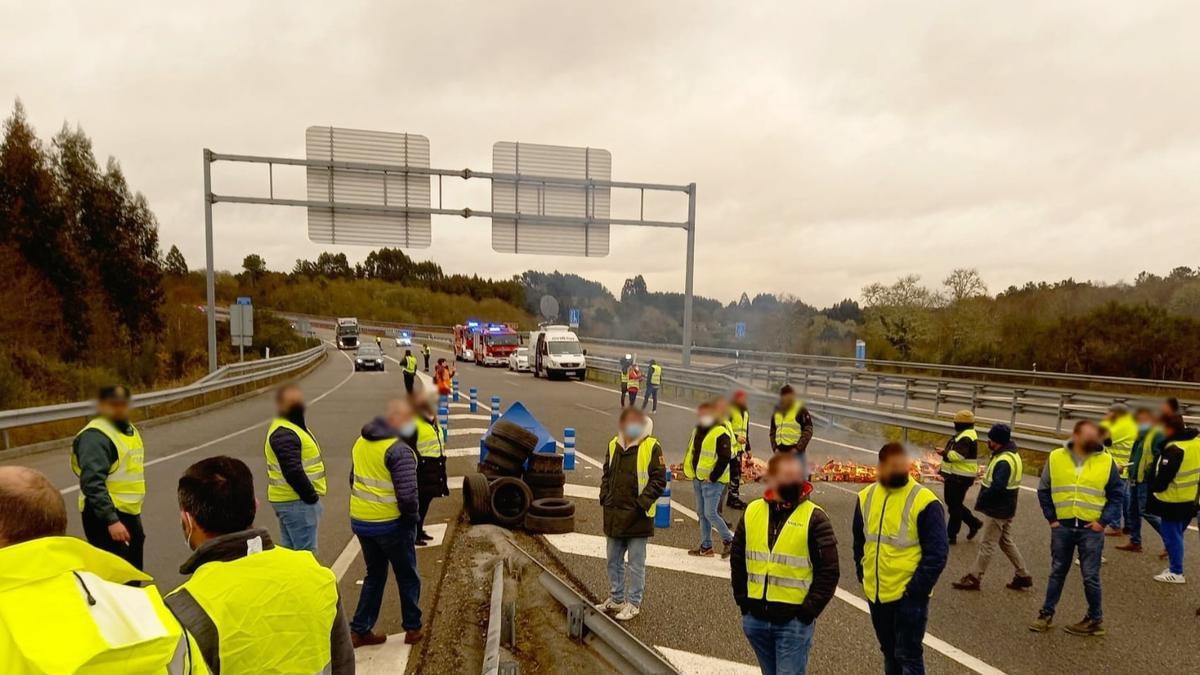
[740,329]
[243,300]
[573,316]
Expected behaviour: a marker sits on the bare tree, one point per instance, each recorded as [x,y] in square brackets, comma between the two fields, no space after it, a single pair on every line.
[964,283]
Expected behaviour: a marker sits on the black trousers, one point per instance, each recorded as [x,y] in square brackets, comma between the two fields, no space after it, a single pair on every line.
[95,531]
[956,494]
[624,393]
[409,378]
[427,363]
[900,629]
[735,476]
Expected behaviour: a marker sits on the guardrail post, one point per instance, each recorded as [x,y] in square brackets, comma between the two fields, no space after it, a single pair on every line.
[1016,396]
[975,397]
[569,449]
[850,393]
[828,378]
[805,373]
[1062,411]
[454,389]
[907,390]
[937,399]
[474,393]
[495,409]
[662,510]
[444,420]
[879,380]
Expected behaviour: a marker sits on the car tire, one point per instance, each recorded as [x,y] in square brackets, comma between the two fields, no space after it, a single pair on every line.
[492,471]
[503,461]
[544,525]
[521,437]
[544,462]
[545,480]
[477,498]
[552,507]
[546,492]
[510,501]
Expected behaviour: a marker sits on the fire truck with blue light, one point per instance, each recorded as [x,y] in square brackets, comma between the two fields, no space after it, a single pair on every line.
[487,344]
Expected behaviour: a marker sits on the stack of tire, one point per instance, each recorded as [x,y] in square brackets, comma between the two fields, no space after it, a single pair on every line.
[516,486]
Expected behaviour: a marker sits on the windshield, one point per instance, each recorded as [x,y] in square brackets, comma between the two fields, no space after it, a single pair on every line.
[368,350]
[563,347]
[522,351]
[347,330]
[504,339]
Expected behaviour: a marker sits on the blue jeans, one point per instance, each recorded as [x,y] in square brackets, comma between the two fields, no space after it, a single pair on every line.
[708,499]
[636,548]
[399,549]
[298,524]
[781,648]
[900,629]
[1136,513]
[1126,500]
[651,391]
[1064,542]
[1172,532]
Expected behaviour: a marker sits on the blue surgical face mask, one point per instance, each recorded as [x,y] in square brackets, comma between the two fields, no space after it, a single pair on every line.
[408,429]
[1144,426]
[633,430]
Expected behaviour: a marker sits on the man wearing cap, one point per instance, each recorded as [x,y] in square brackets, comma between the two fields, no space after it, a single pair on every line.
[997,502]
[959,469]
[108,457]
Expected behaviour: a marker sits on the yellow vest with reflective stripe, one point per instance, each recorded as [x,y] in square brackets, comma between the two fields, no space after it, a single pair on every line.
[278,489]
[372,493]
[708,454]
[1122,432]
[126,480]
[964,466]
[655,375]
[1016,469]
[1079,494]
[783,573]
[893,549]
[739,425]
[1183,487]
[429,439]
[1147,458]
[48,626]
[787,428]
[273,610]
[645,453]
[410,364]
[625,376]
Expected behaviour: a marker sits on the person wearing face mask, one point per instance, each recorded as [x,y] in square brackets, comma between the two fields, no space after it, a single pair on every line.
[635,476]
[1173,492]
[900,550]
[784,568]
[1143,459]
[739,425]
[959,469]
[295,472]
[424,435]
[1121,432]
[791,426]
[385,516]
[243,592]
[706,464]
[1080,492]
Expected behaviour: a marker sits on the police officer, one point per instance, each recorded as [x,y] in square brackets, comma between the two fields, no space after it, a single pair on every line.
[295,471]
[739,425]
[108,456]
[959,469]
[428,440]
[410,371]
[245,593]
[900,550]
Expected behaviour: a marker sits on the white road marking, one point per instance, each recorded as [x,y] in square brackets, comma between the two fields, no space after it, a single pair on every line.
[438,532]
[346,557]
[462,452]
[698,664]
[386,659]
[595,410]
[470,416]
[464,432]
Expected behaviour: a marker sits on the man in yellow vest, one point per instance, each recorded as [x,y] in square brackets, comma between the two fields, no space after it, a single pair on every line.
[1173,492]
[635,476]
[1080,492]
[739,424]
[385,516]
[1120,431]
[425,353]
[428,440]
[959,469]
[410,371]
[791,426]
[653,382]
[1147,450]
[900,550]
[706,464]
[252,606]
[65,606]
[295,472]
[784,568]
[626,362]
[108,456]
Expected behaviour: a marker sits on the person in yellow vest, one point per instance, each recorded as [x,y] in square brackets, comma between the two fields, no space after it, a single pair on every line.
[784,568]
[66,606]
[428,440]
[706,464]
[108,456]
[1080,492]
[791,426]
[1120,431]
[425,353]
[410,371]
[635,476]
[1147,450]
[1173,492]
[385,516]
[295,472]
[739,424]
[900,550]
[653,382]
[249,605]
[626,362]
[959,469]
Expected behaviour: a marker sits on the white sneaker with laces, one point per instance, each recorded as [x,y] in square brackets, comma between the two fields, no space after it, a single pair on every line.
[1169,577]
[630,611]
[610,605]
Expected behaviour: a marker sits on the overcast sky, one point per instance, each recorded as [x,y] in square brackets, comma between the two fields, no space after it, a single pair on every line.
[833,144]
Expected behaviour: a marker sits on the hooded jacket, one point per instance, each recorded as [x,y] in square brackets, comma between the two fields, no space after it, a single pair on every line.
[1165,471]
[624,505]
[400,459]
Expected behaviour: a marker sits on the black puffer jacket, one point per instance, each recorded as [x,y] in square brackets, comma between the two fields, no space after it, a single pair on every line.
[624,505]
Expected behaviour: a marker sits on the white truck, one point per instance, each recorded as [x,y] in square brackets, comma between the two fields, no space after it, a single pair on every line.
[347,333]
[556,352]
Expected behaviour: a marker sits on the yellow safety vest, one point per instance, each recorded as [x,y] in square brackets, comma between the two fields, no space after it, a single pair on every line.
[425,350]
[48,626]
[787,428]
[1122,432]
[739,425]
[430,442]
[624,376]
[962,466]
[278,489]
[126,480]
[410,364]
[1016,469]
[1183,487]
[645,452]
[708,454]
[783,573]
[372,493]
[655,375]
[1147,458]
[1079,492]
[893,549]
[273,610]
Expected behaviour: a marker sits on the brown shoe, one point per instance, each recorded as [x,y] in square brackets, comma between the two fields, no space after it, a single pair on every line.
[412,637]
[702,552]
[967,583]
[1019,583]
[1086,628]
[1112,532]
[366,639]
[1130,547]
[1162,555]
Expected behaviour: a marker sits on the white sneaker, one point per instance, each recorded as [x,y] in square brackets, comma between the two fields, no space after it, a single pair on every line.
[610,605]
[631,610]
[1169,577]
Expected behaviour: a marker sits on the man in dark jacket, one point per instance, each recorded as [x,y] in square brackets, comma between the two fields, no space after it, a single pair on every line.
[997,502]
[293,448]
[428,441]
[635,476]
[778,618]
[384,512]
[706,464]
[959,469]
[791,426]
[1147,449]
[1173,492]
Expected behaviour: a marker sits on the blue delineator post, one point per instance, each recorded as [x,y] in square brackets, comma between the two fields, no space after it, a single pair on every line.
[444,419]
[662,510]
[454,389]
[569,449]
[495,409]
[474,399]
[443,401]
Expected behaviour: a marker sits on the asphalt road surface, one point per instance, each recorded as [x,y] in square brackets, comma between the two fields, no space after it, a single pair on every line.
[688,611]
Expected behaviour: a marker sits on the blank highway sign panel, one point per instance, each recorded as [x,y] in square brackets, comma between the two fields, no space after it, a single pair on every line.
[368,188]
[529,196]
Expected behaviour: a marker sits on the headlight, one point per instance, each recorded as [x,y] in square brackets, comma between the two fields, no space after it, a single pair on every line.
[358,360]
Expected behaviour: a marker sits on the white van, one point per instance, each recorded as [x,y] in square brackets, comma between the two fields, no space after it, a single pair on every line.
[556,351]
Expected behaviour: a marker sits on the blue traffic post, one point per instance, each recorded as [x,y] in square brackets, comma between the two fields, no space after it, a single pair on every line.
[454,388]
[444,419]
[443,401]
[569,449]
[495,409]
[474,399]
[662,510]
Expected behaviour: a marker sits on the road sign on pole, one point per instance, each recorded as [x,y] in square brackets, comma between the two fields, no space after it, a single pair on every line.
[573,317]
[739,329]
[241,326]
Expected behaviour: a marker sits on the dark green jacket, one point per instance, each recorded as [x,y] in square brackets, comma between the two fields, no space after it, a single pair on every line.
[624,505]
[1144,459]
[95,454]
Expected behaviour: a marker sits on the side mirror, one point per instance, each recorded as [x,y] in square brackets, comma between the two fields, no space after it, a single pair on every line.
[585,352]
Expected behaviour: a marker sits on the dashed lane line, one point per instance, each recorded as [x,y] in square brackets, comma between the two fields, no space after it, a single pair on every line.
[698,664]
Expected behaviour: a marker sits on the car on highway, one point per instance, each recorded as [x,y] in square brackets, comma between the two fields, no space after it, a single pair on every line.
[403,338]
[518,361]
[368,357]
